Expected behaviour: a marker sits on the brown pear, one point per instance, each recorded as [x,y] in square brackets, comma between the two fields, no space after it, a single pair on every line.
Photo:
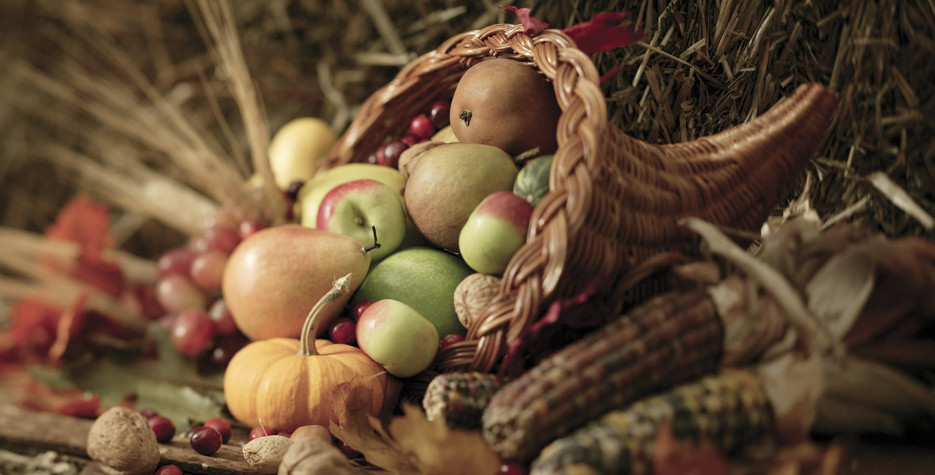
[448,183]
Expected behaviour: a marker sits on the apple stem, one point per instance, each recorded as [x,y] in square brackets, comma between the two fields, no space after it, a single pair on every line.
[313,319]
[375,244]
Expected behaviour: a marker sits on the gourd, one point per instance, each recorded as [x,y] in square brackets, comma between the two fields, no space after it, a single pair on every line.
[532,182]
[284,383]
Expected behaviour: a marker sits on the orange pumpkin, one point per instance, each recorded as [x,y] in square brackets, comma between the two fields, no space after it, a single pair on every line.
[284,383]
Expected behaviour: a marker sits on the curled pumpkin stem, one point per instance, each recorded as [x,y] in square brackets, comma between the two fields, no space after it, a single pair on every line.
[313,319]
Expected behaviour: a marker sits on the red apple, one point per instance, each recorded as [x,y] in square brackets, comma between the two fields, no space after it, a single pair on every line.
[494,231]
[356,207]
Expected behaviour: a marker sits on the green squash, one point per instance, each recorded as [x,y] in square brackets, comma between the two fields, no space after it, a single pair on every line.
[532,182]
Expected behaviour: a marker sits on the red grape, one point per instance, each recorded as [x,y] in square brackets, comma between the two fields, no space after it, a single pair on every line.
[421,126]
[223,238]
[438,113]
[227,216]
[162,427]
[208,269]
[222,318]
[221,425]
[176,293]
[226,347]
[409,140]
[205,440]
[343,331]
[176,261]
[192,332]
[249,227]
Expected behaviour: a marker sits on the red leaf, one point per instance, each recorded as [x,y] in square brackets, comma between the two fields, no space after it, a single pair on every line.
[85,223]
[532,26]
[604,32]
[31,333]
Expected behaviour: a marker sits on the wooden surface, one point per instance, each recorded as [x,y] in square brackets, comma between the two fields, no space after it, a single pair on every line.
[30,432]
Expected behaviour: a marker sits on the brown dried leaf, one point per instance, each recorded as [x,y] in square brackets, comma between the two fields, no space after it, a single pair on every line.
[352,423]
[438,449]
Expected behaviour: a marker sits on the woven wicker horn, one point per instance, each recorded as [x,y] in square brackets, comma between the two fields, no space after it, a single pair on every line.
[614,201]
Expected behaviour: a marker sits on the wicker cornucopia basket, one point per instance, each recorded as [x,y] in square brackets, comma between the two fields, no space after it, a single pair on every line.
[614,202]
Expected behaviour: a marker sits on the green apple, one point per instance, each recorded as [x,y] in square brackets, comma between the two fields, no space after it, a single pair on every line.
[424,278]
[398,337]
[358,207]
[297,147]
[314,190]
[494,231]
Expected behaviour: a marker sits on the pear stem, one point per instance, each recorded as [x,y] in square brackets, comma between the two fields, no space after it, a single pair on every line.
[313,319]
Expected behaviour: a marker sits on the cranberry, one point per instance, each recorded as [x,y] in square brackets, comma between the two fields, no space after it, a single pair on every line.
[205,440]
[376,158]
[292,191]
[226,347]
[148,412]
[391,153]
[221,425]
[409,140]
[343,331]
[512,468]
[449,340]
[169,470]
[162,427]
[438,113]
[358,309]
[421,126]
[257,432]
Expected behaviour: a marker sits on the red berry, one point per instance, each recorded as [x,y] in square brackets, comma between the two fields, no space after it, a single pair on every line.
[358,309]
[192,332]
[409,140]
[226,347]
[421,126]
[343,331]
[449,340]
[438,113]
[205,440]
[221,425]
[148,412]
[512,469]
[162,427]
[169,470]
[257,432]
[391,153]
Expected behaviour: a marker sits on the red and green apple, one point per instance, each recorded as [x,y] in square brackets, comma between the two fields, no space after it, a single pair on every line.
[494,231]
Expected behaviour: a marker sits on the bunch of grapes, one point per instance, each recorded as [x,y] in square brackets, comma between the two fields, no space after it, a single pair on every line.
[421,129]
[189,290]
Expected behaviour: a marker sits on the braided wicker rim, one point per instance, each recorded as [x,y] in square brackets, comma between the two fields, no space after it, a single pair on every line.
[614,202]
[536,271]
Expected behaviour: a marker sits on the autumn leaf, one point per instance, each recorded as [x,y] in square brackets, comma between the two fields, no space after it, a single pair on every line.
[85,223]
[605,31]
[532,26]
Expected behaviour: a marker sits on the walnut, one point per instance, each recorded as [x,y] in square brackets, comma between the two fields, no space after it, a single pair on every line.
[264,454]
[315,456]
[473,295]
[123,443]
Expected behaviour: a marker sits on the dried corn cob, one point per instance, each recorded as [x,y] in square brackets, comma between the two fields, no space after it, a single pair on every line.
[729,410]
[460,398]
[671,338]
